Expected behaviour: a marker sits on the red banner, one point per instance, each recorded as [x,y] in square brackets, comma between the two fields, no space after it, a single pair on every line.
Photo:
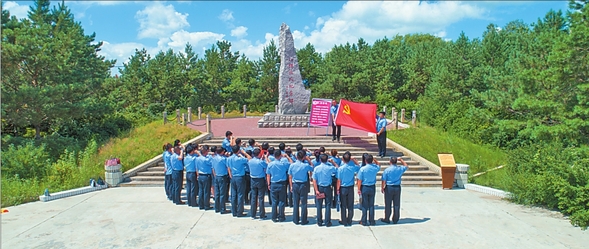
[356,115]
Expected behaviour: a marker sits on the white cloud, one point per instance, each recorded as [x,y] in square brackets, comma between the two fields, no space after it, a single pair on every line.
[15,9]
[158,21]
[239,32]
[226,16]
[179,39]
[254,50]
[374,20]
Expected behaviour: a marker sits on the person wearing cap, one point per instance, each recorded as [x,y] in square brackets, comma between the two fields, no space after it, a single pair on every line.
[391,188]
[346,175]
[168,152]
[205,171]
[228,141]
[258,165]
[236,164]
[336,129]
[366,189]
[219,163]
[276,176]
[191,183]
[176,160]
[322,185]
[298,175]
[381,134]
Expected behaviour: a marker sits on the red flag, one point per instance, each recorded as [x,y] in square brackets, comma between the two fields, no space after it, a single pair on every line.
[356,115]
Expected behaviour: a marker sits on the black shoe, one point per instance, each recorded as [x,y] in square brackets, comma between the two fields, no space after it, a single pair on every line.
[338,140]
[241,215]
[333,139]
[320,224]
[385,221]
[341,223]
[225,212]
[373,223]
[328,224]
[305,222]
[281,219]
[263,217]
[296,222]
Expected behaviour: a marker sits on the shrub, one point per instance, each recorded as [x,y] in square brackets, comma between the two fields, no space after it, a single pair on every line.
[25,161]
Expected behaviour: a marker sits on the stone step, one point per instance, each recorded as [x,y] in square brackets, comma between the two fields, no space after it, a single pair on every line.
[404,183]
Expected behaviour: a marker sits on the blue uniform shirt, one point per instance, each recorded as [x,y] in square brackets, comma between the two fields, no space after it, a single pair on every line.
[272,158]
[392,175]
[237,165]
[219,163]
[167,162]
[300,171]
[249,148]
[346,173]
[278,171]
[190,162]
[204,165]
[227,145]
[367,174]
[337,160]
[176,164]
[381,123]
[322,174]
[333,109]
[257,168]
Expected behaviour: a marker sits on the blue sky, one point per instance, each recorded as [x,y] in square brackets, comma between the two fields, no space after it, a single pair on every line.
[249,26]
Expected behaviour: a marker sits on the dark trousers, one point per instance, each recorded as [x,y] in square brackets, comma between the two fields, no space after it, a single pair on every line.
[269,197]
[259,187]
[334,194]
[368,193]
[204,193]
[347,204]
[382,143]
[288,195]
[220,190]
[177,180]
[392,195]
[336,131]
[300,191]
[227,189]
[319,203]
[168,186]
[248,187]
[278,190]
[237,195]
[191,186]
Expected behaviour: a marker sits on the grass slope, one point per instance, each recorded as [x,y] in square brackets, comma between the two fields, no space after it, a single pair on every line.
[428,142]
[75,169]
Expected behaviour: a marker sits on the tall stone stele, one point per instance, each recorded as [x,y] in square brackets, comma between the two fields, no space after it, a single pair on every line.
[293,98]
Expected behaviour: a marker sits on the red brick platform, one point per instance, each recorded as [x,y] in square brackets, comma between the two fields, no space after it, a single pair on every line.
[249,127]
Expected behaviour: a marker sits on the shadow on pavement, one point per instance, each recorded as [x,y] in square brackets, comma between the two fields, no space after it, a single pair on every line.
[412,220]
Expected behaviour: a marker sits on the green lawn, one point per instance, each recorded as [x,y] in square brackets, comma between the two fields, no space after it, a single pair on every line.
[138,146]
[428,142]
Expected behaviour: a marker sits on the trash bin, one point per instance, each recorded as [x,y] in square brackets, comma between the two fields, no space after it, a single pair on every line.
[461,174]
[113,175]
[448,177]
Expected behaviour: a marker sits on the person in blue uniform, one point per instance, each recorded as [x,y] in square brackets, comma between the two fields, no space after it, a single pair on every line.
[177,174]
[228,141]
[336,129]
[346,175]
[219,162]
[391,188]
[322,185]
[298,175]
[276,178]
[236,164]
[381,134]
[251,145]
[338,161]
[258,165]
[205,171]
[366,189]
[168,152]
[191,183]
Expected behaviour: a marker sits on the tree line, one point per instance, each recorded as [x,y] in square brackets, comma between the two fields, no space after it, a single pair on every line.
[520,86]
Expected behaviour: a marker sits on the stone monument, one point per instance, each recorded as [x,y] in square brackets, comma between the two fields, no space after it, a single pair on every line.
[293,98]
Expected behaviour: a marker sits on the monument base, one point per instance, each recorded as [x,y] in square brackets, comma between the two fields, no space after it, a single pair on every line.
[277,120]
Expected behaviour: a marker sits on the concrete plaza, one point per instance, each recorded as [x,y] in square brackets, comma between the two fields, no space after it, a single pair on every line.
[144,218]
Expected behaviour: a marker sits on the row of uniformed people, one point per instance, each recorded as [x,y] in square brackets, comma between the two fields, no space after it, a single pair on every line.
[273,176]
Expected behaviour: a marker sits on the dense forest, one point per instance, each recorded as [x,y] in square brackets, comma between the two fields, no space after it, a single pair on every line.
[522,87]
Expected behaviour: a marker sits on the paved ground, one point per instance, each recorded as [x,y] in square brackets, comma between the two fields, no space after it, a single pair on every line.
[143,218]
[249,127]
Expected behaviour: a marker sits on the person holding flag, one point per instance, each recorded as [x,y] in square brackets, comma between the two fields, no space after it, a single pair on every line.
[381,134]
[338,128]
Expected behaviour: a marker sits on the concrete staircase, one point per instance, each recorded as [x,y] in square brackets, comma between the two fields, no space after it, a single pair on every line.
[416,175]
